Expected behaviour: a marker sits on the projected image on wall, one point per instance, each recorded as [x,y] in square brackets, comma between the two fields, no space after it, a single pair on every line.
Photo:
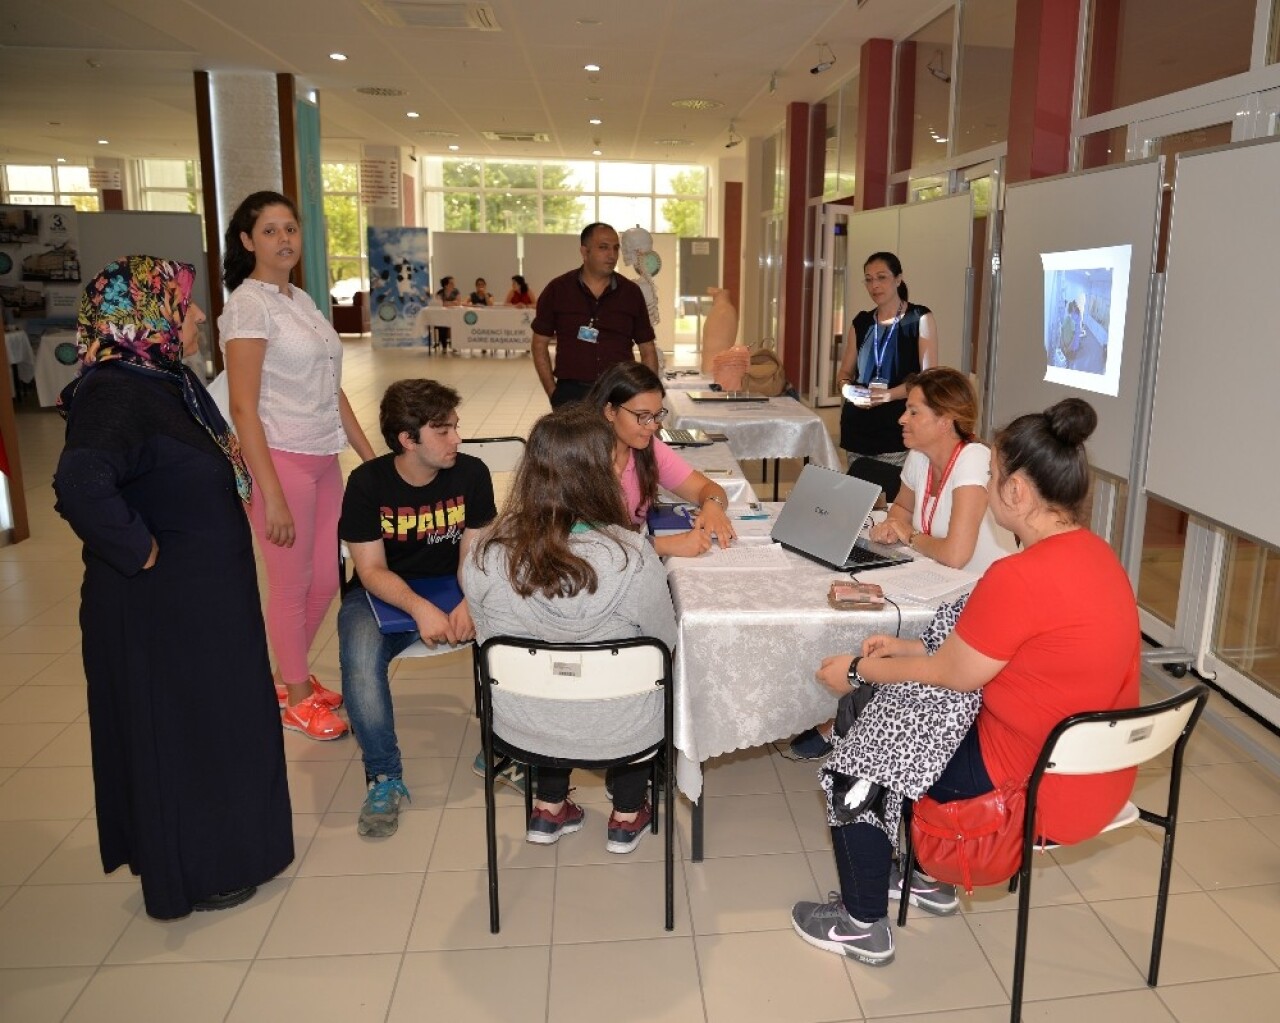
[1084,311]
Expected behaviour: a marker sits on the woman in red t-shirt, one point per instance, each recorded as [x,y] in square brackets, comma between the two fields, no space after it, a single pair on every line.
[1048,632]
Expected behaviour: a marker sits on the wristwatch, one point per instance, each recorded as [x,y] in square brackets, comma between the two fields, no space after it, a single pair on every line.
[855,679]
[911,540]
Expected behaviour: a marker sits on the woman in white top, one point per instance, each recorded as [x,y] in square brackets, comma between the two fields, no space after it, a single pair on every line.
[941,508]
[284,374]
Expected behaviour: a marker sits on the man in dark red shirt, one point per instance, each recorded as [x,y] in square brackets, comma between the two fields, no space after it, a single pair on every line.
[594,316]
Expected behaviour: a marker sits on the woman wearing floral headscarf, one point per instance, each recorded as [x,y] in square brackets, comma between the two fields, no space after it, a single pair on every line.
[188,760]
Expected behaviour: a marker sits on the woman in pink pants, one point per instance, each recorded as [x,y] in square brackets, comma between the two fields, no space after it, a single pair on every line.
[284,373]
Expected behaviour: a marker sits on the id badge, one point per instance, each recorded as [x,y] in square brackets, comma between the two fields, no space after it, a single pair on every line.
[588,333]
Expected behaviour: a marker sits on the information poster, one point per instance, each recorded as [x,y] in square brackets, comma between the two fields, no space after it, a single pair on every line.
[399,284]
[39,262]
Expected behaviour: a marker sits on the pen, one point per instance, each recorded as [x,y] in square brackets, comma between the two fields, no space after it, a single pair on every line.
[748,518]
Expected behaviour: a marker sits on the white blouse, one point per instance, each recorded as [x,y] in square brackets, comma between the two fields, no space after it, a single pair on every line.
[972,469]
[301,370]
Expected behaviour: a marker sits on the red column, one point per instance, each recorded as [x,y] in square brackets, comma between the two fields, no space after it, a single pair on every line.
[731,241]
[875,102]
[1044,64]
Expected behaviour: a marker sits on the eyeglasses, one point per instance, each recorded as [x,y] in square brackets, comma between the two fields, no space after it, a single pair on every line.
[645,418]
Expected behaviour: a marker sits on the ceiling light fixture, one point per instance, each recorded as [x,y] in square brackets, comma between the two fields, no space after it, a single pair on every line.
[597,152]
[104,142]
[734,138]
[412,113]
[595,120]
[454,147]
[590,67]
[337,56]
[773,82]
[62,159]
[823,64]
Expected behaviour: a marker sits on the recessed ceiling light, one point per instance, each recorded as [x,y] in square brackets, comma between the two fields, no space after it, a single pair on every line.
[696,104]
[337,56]
[595,120]
[62,159]
[454,147]
[104,142]
[597,152]
[590,67]
[413,113]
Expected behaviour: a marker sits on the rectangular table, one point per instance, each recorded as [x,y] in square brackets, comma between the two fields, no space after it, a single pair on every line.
[481,328]
[775,428]
[709,459]
[21,357]
[56,364]
[749,643]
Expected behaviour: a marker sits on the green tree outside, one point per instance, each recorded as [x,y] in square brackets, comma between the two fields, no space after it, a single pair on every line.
[687,218]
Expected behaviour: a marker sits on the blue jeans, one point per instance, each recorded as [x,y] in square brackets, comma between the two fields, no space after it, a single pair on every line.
[365,655]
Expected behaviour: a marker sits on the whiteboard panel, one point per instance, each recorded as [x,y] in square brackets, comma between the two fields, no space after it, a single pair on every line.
[935,244]
[1216,415]
[1096,209]
[108,236]
[549,255]
[464,256]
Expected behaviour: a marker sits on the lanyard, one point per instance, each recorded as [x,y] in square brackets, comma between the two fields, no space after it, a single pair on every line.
[927,513]
[878,350]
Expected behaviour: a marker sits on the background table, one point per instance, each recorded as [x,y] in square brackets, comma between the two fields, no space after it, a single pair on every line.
[53,372]
[718,456]
[775,428]
[749,643]
[481,328]
[21,357]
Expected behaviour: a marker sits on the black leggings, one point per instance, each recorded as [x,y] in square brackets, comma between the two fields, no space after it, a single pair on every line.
[864,853]
[628,783]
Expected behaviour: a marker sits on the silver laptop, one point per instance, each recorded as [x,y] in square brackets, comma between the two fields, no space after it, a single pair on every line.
[684,438]
[725,396]
[823,516]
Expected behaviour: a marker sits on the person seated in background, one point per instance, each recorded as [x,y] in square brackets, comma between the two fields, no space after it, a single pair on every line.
[563,564]
[941,508]
[520,294]
[448,296]
[1048,632]
[629,396]
[481,295]
[406,515]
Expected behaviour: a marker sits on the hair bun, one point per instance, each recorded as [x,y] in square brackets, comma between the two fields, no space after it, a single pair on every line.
[1071,421]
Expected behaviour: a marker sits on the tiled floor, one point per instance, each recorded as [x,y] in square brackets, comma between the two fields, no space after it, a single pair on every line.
[396,929]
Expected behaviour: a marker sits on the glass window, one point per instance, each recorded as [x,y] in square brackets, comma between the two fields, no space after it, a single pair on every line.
[510,213]
[510,175]
[84,203]
[1104,148]
[1164,542]
[686,218]
[986,71]
[624,211]
[462,173]
[74,179]
[169,202]
[576,176]
[1140,49]
[829,110]
[23,178]
[167,174]
[925,66]
[626,177]
[672,179]
[343,221]
[1247,632]
[32,199]
[462,211]
[847,143]
[919,189]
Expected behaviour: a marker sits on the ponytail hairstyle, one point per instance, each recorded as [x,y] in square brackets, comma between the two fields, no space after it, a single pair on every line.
[237,261]
[895,267]
[1048,449]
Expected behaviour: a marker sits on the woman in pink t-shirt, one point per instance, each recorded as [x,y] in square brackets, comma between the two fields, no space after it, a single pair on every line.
[630,395]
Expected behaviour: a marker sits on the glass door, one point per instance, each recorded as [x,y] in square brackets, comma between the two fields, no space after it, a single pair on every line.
[830,300]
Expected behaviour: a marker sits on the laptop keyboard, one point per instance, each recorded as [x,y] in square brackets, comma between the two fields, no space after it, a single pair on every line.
[681,437]
[863,556]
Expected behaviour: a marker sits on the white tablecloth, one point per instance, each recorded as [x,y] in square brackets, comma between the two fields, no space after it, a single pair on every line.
[776,428]
[56,364]
[481,328]
[711,457]
[749,643]
[21,355]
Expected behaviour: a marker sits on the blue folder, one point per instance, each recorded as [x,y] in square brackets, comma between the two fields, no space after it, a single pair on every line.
[441,590]
[664,519]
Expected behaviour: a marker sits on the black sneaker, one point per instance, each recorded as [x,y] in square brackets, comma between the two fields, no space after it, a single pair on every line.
[810,745]
[624,836]
[225,900]
[932,896]
[828,926]
[545,827]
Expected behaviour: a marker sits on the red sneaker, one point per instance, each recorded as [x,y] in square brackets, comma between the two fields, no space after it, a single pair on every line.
[331,699]
[624,836]
[314,720]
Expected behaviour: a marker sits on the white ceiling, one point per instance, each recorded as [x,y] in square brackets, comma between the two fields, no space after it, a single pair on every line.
[74,71]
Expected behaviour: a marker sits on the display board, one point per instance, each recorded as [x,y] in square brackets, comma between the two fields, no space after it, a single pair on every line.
[1057,233]
[1216,415]
[108,236]
[935,244]
[464,256]
[547,256]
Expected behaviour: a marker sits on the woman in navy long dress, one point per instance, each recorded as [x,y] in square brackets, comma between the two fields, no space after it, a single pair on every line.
[188,760]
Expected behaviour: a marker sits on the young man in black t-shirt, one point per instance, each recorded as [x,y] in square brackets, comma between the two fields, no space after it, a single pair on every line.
[407,515]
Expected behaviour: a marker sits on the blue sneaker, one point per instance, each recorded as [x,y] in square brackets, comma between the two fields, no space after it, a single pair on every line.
[513,774]
[810,745]
[380,815]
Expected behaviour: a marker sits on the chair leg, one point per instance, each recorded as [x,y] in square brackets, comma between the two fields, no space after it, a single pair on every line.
[1162,900]
[668,798]
[1020,941]
[491,830]
[907,864]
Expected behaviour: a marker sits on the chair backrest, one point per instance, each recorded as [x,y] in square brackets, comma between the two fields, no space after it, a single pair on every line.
[575,671]
[500,454]
[1103,741]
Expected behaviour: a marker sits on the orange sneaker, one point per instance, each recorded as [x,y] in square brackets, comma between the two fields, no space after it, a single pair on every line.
[314,720]
[331,699]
